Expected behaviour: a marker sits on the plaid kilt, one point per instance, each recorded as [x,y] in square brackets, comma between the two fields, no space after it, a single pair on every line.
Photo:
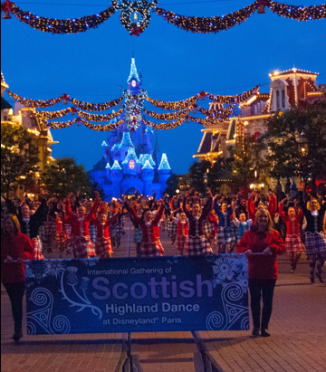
[198,246]
[225,235]
[37,246]
[315,243]
[113,230]
[174,230]
[293,243]
[153,249]
[182,243]
[119,229]
[61,238]
[93,233]
[103,247]
[138,235]
[207,228]
[82,247]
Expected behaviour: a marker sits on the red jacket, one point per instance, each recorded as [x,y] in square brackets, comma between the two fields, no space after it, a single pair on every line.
[81,227]
[262,267]
[19,246]
[292,226]
[103,229]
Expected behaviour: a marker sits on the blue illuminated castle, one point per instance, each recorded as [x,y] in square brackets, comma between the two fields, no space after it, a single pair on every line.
[130,160]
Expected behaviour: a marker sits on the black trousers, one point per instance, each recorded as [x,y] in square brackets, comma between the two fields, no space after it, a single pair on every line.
[16,293]
[261,288]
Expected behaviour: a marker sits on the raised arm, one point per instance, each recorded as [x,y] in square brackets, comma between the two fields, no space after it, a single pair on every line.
[92,213]
[207,207]
[159,214]
[281,211]
[272,205]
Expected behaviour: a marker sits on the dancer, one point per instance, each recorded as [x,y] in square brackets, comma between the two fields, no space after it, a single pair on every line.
[182,231]
[225,235]
[198,243]
[293,243]
[315,240]
[151,245]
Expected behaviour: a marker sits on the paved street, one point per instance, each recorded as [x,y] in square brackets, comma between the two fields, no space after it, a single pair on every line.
[298,341]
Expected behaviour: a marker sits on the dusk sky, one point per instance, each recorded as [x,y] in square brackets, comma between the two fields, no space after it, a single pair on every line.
[175,64]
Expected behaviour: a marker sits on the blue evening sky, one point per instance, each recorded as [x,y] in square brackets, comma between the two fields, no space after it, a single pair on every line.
[175,64]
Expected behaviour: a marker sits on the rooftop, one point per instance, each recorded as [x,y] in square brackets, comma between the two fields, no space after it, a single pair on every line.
[116,165]
[147,165]
[126,141]
[164,164]
[133,71]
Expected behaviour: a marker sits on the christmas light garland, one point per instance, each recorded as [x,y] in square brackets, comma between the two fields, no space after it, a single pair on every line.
[172,125]
[208,25]
[169,116]
[65,98]
[133,106]
[79,121]
[144,8]
[99,118]
[299,13]
[177,105]
[56,114]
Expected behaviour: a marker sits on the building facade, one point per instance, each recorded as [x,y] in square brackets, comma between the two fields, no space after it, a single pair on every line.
[287,89]
[131,161]
[26,117]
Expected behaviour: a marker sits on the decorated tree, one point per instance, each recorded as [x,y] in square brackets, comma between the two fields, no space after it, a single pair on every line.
[65,176]
[19,159]
[296,141]
[247,162]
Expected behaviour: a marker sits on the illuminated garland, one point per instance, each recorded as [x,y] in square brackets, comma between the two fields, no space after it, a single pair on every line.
[57,114]
[144,8]
[133,106]
[178,105]
[34,103]
[51,102]
[170,116]
[299,13]
[172,125]
[209,24]
[79,121]
[94,117]
[127,9]
[95,106]
[57,26]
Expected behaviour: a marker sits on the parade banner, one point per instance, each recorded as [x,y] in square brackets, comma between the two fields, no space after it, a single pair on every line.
[137,294]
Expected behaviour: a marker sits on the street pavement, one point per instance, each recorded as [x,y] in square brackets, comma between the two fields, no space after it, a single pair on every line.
[297,342]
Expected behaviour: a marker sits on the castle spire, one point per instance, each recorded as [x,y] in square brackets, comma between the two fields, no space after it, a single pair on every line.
[133,72]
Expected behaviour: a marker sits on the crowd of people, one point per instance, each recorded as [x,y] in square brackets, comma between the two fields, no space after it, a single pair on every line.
[261,226]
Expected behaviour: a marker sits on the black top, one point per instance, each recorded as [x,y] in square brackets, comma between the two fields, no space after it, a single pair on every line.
[195,224]
[314,223]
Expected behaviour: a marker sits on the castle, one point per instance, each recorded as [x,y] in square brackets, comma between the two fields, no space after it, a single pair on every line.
[130,161]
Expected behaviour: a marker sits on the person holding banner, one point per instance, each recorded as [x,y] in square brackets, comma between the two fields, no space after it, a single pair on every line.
[151,245]
[15,246]
[262,244]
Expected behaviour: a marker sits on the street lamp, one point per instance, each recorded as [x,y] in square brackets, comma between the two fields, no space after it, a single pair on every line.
[303,144]
[177,191]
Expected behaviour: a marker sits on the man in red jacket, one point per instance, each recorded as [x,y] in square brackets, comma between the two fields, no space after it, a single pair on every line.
[261,244]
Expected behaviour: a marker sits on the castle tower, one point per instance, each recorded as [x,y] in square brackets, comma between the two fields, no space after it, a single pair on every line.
[134,80]
[116,177]
[164,171]
[148,177]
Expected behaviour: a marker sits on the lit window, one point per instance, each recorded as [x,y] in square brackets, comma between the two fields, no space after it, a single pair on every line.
[277,99]
[283,98]
[132,164]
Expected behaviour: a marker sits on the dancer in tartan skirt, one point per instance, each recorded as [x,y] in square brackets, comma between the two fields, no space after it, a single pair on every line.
[182,231]
[225,235]
[103,245]
[293,242]
[80,238]
[138,233]
[315,241]
[151,245]
[242,223]
[198,243]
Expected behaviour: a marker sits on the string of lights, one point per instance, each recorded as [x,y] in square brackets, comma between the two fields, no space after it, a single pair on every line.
[177,105]
[57,114]
[169,116]
[79,122]
[134,106]
[65,98]
[99,118]
[56,26]
[161,126]
[129,10]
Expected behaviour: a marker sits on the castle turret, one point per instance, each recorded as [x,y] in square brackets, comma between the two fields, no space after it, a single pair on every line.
[134,80]
[116,177]
[148,177]
[164,171]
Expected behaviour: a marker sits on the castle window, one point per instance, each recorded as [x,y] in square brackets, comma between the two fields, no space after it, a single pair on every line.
[277,99]
[283,97]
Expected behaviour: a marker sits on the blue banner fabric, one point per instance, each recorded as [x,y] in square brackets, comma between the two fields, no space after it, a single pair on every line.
[137,295]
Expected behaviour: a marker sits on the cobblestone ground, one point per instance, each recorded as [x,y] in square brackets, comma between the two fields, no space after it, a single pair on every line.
[297,344]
